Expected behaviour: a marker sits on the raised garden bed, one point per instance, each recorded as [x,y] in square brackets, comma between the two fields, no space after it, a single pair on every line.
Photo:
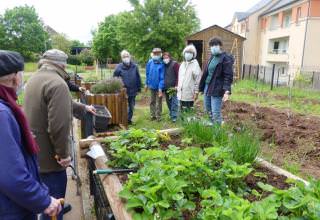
[197,182]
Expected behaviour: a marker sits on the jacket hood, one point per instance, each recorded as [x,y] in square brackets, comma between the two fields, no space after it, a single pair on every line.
[192,49]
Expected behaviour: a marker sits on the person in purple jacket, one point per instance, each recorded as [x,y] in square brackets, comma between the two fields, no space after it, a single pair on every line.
[22,194]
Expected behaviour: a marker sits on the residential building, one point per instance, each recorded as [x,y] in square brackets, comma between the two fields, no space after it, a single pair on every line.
[290,35]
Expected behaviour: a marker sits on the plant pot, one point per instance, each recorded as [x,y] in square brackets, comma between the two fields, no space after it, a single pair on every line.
[102,118]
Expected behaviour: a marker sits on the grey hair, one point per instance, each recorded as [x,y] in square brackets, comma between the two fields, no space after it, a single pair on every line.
[125,53]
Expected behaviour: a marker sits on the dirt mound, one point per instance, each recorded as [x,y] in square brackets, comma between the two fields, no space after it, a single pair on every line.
[296,136]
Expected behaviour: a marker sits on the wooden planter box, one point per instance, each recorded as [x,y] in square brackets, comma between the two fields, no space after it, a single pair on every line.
[112,185]
[88,85]
[116,103]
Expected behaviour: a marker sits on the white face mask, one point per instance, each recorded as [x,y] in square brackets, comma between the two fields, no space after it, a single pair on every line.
[166,61]
[188,56]
[215,50]
[126,60]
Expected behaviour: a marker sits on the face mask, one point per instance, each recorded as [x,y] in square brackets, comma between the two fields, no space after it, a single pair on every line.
[166,61]
[188,56]
[126,60]
[215,50]
[156,57]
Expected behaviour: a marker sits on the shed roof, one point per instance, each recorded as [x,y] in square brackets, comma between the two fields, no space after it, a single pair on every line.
[218,27]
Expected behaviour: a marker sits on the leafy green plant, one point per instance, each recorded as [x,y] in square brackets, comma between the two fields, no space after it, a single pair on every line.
[107,86]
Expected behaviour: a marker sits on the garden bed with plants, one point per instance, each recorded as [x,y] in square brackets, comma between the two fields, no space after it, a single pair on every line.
[197,175]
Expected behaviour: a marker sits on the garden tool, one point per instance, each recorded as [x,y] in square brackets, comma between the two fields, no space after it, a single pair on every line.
[62,203]
[75,176]
[112,171]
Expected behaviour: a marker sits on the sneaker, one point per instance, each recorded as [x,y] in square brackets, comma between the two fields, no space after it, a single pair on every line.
[174,120]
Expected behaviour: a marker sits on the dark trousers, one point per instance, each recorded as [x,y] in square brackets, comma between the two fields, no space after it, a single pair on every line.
[172,103]
[131,104]
[57,184]
[186,105]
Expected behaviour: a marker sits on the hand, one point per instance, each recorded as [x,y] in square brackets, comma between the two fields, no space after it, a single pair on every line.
[225,97]
[195,96]
[91,109]
[54,208]
[160,94]
[146,88]
[64,162]
[82,89]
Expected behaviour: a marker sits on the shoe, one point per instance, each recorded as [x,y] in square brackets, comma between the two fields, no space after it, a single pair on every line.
[66,208]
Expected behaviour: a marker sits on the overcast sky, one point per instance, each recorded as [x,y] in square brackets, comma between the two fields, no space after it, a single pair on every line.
[77,18]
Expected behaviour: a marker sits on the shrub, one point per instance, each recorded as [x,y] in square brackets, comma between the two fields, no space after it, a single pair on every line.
[107,86]
[87,57]
[74,60]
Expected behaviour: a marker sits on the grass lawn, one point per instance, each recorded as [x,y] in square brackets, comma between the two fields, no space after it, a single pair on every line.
[301,101]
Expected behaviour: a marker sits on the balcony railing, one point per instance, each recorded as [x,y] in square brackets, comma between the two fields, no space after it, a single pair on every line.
[278,51]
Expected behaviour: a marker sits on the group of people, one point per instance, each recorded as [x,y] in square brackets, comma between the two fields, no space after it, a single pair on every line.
[180,83]
[34,181]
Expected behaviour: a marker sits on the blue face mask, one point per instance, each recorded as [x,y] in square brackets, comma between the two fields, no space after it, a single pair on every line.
[215,50]
[156,58]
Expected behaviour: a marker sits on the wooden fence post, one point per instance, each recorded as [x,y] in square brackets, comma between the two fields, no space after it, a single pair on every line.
[272,77]
[257,78]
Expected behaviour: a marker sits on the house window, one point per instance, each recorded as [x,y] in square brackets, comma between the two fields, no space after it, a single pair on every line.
[274,24]
[287,19]
[298,14]
[276,47]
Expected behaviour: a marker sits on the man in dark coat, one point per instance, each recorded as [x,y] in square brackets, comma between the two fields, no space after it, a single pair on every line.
[171,74]
[216,80]
[22,194]
[129,73]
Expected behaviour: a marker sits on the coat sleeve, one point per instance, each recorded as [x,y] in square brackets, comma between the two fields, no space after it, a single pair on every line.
[116,72]
[147,73]
[176,71]
[16,182]
[78,110]
[161,78]
[138,79]
[197,77]
[59,118]
[227,69]
[72,87]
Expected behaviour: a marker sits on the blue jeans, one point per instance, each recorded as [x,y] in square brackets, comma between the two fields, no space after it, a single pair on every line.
[131,104]
[207,102]
[216,104]
[57,184]
[172,103]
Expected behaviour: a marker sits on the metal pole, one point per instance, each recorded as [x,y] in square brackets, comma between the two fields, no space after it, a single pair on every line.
[257,78]
[312,80]
[278,77]
[243,70]
[264,75]
[272,77]
[250,71]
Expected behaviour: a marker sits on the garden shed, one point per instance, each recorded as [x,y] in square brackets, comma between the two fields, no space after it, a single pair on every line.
[232,43]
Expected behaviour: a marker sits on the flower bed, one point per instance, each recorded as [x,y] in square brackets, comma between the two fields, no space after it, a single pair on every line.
[192,181]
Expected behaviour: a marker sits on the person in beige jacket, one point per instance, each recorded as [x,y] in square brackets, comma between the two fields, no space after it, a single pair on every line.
[189,78]
[49,109]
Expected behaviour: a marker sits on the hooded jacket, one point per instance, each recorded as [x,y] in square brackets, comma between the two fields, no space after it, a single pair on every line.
[49,108]
[130,77]
[189,77]
[222,77]
[155,75]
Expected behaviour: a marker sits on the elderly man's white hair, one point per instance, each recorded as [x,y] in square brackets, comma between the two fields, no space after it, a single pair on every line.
[125,53]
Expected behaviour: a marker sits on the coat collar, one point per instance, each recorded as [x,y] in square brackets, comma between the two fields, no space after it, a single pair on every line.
[48,66]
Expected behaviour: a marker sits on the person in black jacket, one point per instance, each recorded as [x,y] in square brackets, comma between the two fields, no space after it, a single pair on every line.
[216,80]
[129,73]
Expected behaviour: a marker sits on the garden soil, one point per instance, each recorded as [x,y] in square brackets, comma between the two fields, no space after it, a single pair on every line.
[287,136]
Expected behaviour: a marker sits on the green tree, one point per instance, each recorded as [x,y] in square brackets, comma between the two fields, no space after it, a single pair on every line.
[156,23]
[87,57]
[24,31]
[61,42]
[105,40]
[77,43]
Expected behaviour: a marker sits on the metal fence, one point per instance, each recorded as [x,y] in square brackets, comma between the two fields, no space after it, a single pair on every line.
[276,76]
[101,204]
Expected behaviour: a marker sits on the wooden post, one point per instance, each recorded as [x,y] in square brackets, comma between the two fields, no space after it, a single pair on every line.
[250,71]
[264,74]
[244,70]
[257,77]
[272,77]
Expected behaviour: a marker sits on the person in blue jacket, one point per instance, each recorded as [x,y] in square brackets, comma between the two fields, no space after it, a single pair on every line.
[155,82]
[128,71]
[22,194]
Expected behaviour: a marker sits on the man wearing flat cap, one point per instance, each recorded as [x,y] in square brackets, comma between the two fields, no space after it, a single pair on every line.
[49,108]
[155,82]
[22,194]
